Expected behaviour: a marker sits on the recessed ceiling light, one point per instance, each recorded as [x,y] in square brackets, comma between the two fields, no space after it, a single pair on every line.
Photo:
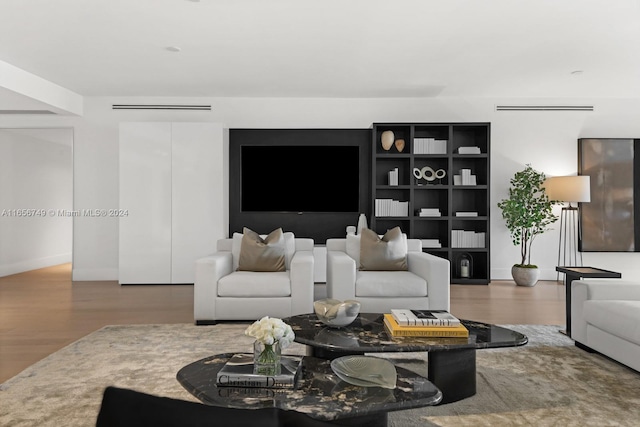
[173,48]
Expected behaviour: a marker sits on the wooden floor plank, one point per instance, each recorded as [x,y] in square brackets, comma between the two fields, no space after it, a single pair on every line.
[42,311]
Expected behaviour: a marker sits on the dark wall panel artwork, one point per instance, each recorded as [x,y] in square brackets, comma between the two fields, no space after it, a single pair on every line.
[608,221]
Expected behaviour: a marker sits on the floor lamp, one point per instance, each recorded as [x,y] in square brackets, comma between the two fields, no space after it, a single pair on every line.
[569,189]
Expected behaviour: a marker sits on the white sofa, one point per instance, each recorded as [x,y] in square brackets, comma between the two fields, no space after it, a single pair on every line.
[424,286]
[222,293]
[605,317]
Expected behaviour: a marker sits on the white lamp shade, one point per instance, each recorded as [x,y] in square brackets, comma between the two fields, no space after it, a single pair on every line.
[570,189]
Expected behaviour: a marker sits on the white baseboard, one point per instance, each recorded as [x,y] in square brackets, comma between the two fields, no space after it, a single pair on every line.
[34,264]
[94,274]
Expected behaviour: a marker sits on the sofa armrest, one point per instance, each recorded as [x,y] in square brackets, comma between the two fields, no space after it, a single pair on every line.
[592,289]
[301,276]
[341,276]
[436,272]
[205,288]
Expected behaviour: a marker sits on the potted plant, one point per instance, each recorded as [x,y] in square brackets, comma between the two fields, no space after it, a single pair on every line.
[527,212]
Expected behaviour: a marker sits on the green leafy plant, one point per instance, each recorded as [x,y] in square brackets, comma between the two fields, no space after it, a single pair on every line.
[527,211]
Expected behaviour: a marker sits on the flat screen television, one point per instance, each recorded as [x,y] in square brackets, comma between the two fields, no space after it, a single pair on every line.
[299,178]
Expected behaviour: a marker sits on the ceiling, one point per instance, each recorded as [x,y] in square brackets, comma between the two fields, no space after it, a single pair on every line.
[327,48]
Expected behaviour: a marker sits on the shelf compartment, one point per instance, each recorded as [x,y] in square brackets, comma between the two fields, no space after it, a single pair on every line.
[399,132]
[382,225]
[435,229]
[438,165]
[386,164]
[479,273]
[431,197]
[467,199]
[470,135]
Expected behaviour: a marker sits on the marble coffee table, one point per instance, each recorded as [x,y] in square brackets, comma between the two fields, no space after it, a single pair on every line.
[451,362]
[318,392]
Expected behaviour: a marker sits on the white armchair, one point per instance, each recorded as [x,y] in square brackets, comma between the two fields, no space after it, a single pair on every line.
[424,286]
[223,293]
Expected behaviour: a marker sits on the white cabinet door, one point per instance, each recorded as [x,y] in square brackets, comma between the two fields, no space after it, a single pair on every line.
[196,158]
[145,191]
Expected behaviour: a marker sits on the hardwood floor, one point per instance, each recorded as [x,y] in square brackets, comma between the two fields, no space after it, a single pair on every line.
[42,311]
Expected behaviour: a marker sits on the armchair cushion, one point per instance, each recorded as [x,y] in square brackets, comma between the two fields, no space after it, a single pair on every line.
[288,242]
[243,284]
[390,284]
[258,254]
[388,253]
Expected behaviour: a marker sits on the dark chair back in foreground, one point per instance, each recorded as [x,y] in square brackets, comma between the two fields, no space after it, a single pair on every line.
[129,408]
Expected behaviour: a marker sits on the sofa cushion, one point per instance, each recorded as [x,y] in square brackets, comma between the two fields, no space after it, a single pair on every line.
[251,284]
[383,254]
[390,284]
[619,318]
[289,248]
[261,254]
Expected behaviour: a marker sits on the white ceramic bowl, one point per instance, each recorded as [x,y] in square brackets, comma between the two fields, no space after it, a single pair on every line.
[333,312]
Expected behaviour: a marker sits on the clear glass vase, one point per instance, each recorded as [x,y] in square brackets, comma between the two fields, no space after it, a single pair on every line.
[266,358]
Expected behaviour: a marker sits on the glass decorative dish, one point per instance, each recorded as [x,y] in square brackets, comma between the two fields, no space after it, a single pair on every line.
[365,371]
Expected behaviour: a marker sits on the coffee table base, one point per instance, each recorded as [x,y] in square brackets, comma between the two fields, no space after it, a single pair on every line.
[453,371]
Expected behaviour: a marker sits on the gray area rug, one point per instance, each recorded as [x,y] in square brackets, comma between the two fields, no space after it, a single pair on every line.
[548,382]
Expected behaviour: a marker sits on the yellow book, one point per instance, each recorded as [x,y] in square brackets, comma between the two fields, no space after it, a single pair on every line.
[395,330]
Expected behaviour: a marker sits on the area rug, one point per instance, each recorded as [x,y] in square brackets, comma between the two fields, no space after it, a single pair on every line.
[548,382]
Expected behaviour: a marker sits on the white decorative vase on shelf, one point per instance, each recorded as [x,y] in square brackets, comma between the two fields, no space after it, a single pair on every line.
[362,223]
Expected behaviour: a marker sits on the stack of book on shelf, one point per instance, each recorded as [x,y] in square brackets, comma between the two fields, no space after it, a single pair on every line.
[465,178]
[390,207]
[431,243]
[238,372]
[429,146]
[423,323]
[467,239]
[393,177]
[429,212]
[468,150]
[468,213]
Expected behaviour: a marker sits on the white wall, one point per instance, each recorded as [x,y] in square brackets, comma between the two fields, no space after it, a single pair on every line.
[546,140]
[36,175]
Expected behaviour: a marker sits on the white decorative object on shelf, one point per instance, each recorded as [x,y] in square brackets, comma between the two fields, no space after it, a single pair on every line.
[429,212]
[351,229]
[465,178]
[467,214]
[431,243]
[390,207]
[429,146]
[387,139]
[469,150]
[394,177]
[362,223]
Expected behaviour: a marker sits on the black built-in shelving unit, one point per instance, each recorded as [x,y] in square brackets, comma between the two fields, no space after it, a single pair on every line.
[439,194]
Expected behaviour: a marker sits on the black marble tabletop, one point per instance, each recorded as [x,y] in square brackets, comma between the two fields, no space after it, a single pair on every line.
[367,335]
[318,392]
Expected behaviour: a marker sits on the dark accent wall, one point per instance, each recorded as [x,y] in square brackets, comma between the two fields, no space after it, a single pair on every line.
[316,225]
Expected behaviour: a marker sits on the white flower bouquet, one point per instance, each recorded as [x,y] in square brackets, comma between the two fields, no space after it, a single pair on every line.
[270,330]
[272,335]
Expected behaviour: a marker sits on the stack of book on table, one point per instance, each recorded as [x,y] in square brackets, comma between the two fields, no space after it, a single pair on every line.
[238,372]
[423,323]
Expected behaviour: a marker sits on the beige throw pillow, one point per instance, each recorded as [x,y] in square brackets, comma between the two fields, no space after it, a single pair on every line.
[388,253]
[258,254]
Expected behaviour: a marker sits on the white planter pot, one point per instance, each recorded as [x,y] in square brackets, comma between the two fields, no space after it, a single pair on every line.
[525,276]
